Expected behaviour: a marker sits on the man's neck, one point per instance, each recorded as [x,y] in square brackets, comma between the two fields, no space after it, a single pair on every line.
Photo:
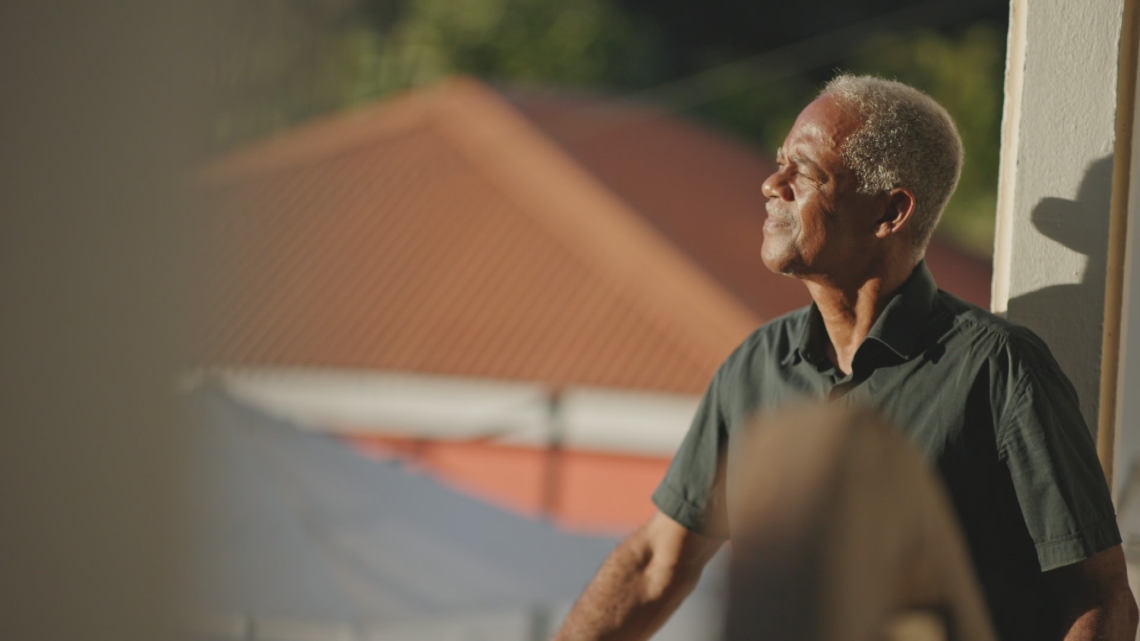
[849,310]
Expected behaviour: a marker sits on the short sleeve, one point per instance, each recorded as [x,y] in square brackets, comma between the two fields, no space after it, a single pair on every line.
[693,489]
[1052,461]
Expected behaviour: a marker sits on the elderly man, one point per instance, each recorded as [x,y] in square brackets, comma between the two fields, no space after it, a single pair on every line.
[863,177]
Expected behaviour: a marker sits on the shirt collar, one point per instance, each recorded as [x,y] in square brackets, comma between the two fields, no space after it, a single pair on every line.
[902,320]
[808,344]
[898,326]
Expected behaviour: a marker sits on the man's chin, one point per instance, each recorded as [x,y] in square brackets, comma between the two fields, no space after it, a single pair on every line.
[779,262]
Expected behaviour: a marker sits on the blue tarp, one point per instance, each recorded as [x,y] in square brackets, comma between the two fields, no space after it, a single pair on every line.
[293,530]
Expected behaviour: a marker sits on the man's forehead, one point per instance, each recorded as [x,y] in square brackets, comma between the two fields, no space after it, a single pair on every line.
[823,120]
[808,139]
[814,130]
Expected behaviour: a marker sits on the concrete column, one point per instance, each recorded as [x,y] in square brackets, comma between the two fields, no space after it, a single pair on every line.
[1127,401]
[1128,384]
[1055,188]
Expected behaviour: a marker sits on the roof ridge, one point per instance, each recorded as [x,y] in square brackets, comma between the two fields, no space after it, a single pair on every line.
[500,141]
[325,136]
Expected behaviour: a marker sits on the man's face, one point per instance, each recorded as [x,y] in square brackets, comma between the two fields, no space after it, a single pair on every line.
[817,222]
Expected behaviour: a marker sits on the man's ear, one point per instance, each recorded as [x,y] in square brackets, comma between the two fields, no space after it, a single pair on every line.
[897,213]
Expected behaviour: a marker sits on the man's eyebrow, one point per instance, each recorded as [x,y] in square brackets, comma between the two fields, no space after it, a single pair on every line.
[804,160]
[800,159]
[797,158]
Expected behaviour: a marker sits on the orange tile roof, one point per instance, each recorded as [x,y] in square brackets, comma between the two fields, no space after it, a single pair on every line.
[698,188]
[450,230]
[442,232]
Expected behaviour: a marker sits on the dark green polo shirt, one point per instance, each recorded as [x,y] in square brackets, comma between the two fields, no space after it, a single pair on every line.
[981,397]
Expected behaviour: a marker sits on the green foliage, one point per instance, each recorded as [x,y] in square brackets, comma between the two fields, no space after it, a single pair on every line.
[279,64]
[284,66]
[564,42]
[754,107]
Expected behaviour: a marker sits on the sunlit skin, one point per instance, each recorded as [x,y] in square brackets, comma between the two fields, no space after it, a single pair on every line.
[807,193]
[849,248]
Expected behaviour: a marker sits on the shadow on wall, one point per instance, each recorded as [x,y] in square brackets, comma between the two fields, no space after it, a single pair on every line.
[1069,318]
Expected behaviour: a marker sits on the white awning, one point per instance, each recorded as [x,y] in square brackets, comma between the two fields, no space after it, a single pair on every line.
[440,407]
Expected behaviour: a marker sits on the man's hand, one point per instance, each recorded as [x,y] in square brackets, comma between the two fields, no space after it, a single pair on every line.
[640,584]
[1096,599]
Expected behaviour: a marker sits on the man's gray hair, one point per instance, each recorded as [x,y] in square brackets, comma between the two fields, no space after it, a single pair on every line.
[906,140]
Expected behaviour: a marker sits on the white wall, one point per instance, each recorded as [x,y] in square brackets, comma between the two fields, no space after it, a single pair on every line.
[1056,179]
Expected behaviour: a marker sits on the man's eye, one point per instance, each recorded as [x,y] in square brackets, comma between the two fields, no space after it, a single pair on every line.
[814,181]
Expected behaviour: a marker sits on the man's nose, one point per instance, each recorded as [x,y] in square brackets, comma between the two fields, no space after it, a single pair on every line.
[776,186]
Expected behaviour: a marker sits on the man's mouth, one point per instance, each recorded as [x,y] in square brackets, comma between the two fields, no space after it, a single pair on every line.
[775,215]
[774,221]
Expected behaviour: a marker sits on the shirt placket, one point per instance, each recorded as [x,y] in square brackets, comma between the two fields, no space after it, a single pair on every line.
[862,368]
[840,386]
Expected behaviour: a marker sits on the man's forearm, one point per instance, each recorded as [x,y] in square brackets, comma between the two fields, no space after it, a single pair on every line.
[1095,599]
[632,595]
[1115,621]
